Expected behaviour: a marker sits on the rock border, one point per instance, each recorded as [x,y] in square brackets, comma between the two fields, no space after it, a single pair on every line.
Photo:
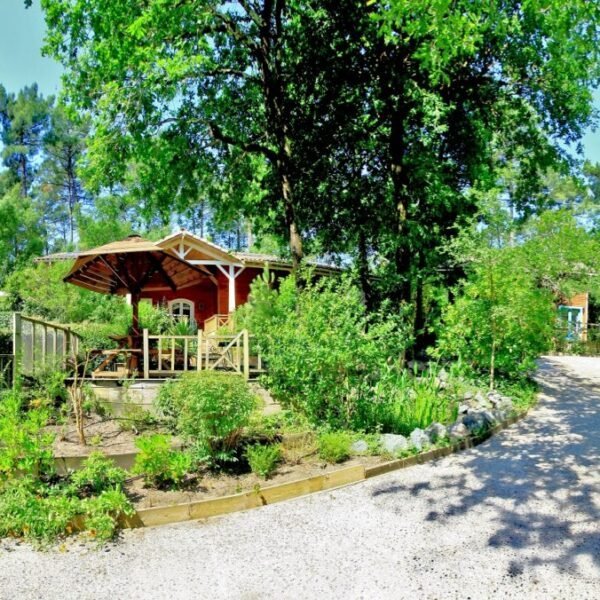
[203,509]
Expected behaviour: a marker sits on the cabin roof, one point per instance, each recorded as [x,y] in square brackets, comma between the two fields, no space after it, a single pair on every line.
[248,259]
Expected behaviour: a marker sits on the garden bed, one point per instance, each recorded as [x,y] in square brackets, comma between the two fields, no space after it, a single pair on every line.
[105,435]
[210,485]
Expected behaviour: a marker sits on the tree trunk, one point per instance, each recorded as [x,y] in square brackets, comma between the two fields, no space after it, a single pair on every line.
[402,259]
[363,271]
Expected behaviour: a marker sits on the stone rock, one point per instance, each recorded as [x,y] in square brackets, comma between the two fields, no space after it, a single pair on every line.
[500,415]
[436,432]
[419,439]
[359,447]
[505,404]
[416,366]
[475,422]
[489,418]
[480,400]
[463,409]
[457,431]
[443,375]
[468,396]
[393,443]
[494,398]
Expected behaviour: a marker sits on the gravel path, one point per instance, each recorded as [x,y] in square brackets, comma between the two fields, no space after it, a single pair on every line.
[517,517]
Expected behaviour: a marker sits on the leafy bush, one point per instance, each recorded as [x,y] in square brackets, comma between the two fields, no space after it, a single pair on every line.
[165,404]
[97,474]
[403,401]
[27,510]
[160,465]
[263,460]
[25,449]
[43,513]
[322,349]
[211,409]
[334,447]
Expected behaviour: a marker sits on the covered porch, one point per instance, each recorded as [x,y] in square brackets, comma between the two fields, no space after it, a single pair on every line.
[165,356]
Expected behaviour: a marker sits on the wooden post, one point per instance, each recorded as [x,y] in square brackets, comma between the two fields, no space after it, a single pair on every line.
[17,345]
[32,347]
[146,357]
[231,277]
[199,352]
[173,342]
[185,353]
[160,352]
[207,363]
[135,315]
[44,341]
[246,354]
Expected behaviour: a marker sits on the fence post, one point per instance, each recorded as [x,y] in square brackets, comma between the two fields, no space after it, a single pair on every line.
[44,341]
[199,352]
[17,344]
[146,357]
[246,355]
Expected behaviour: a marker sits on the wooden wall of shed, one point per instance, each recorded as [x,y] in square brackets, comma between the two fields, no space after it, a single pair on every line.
[203,295]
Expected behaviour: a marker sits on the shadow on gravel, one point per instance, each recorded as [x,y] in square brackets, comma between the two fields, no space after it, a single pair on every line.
[546,467]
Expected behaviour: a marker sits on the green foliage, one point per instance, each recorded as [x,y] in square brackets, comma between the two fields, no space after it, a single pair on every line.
[403,401]
[322,350]
[97,474]
[334,447]
[263,460]
[160,465]
[44,513]
[504,313]
[25,449]
[211,409]
[165,404]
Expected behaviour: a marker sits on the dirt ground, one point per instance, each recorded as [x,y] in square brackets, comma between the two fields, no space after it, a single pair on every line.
[105,435]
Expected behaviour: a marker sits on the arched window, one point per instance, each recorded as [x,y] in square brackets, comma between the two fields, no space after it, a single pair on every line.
[182,310]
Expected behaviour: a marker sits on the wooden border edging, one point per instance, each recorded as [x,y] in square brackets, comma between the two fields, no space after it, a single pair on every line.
[64,464]
[203,509]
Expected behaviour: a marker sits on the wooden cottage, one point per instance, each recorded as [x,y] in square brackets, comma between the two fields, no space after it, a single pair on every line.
[195,280]
[220,284]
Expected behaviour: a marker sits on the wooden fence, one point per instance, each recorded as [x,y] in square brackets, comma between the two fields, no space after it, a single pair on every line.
[168,355]
[38,344]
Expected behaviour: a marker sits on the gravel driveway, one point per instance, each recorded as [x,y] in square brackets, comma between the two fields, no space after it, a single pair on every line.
[517,517]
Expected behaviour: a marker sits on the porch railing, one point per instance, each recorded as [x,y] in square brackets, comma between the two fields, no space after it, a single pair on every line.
[169,355]
[218,322]
[39,344]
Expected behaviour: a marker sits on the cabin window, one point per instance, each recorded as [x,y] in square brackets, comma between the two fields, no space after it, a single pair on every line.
[571,318]
[182,310]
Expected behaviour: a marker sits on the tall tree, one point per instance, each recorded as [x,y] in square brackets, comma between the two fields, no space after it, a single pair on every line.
[64,144]
[24,119]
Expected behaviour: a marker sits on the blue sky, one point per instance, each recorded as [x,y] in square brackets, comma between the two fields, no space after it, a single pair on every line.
[21,62]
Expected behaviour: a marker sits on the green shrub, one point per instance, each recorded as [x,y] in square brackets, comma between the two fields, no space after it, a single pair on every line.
[101,513]
[25,449]
[97,474]
[263,460]
[31,510]
[165,404]
[334,447]
[160,465]
[322,349]
[402,402]
[212,408]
